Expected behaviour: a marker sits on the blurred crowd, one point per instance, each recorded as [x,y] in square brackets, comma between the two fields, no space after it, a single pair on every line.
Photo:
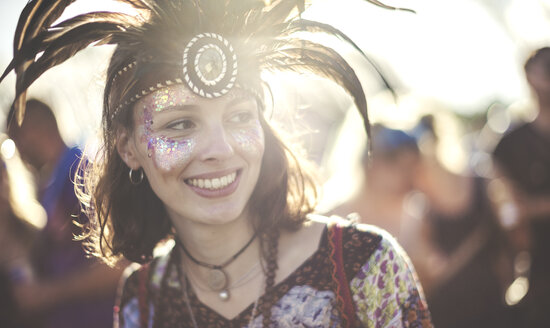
[479,243]
[46,277]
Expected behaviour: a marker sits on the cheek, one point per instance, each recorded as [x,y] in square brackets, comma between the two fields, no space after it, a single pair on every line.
[166,153]
[169,154]
[249,140]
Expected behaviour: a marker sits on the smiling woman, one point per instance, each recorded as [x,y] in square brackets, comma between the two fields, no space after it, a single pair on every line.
[201,156]
[189,158]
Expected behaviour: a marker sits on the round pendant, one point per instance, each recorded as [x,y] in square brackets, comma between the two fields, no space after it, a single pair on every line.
[224,295]
[217,280]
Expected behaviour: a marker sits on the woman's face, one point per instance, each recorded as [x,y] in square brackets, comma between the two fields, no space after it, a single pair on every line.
[202,157]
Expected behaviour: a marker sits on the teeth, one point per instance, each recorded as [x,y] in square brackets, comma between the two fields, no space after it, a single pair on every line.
[213,184]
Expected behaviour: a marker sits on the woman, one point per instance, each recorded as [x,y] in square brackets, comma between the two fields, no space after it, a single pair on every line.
[188,156]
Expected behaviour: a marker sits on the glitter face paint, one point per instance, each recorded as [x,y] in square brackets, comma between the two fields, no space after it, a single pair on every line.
[249,139]
[167,153]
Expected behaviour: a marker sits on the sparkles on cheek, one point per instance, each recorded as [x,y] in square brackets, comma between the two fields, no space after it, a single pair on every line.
[249,139]
[167,153]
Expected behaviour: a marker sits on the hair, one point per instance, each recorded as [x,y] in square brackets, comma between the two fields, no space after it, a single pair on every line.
[37,111]
[542,56]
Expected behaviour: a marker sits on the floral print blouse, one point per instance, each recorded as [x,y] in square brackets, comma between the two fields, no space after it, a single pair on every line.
[382,284]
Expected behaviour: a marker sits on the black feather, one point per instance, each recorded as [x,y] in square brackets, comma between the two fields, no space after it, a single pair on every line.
[310,57]
[35,18]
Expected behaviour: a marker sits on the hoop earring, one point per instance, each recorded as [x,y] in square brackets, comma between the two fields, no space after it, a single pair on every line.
[135,182]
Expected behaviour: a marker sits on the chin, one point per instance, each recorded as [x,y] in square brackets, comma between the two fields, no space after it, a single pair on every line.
[221,217]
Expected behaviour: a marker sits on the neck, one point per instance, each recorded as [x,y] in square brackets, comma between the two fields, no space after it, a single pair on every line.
[215,244]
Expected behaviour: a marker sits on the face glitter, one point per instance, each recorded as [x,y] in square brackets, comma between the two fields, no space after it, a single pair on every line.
[249,139]
[166,152]
[169,97]
[169,153]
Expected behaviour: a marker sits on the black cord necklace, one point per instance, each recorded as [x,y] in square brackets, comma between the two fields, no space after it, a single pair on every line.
[217,279]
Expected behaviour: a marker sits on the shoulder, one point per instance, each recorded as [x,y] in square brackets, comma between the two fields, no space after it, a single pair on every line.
[137,289]
[386,290]
[359,242]
[382,280]
[149,274]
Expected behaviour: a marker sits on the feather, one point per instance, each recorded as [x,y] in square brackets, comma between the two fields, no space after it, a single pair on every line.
[62,49]
[309,26]
[36,17]
[138,4]
[261,21]
[38,44]
[305,56]
[383,5]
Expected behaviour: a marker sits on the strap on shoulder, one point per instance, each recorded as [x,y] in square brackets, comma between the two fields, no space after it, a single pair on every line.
[343,292]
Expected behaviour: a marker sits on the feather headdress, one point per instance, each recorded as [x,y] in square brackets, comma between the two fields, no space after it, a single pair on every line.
[180,41]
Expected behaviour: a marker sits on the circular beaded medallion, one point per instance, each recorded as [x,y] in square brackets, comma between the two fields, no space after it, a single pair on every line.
[209,65]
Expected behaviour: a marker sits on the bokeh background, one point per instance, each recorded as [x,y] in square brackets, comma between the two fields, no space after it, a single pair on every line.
[459,61]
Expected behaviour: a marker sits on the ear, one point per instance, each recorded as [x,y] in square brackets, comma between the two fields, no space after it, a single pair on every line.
[127,150]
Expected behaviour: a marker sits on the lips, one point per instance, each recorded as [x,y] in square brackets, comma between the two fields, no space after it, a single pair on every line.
[215,185]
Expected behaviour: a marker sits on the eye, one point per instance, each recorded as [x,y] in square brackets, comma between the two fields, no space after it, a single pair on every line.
[242,117]
[181,125]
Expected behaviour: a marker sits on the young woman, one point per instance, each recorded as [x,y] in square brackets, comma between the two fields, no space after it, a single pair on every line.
[188,157]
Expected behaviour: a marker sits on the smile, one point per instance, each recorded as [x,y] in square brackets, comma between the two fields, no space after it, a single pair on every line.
[213,184]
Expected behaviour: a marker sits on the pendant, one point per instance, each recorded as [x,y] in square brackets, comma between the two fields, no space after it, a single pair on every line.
[224,295]
[217,280]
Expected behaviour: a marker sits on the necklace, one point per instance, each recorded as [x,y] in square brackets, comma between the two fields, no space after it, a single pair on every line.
[183,281]
[245,278]
[217,279]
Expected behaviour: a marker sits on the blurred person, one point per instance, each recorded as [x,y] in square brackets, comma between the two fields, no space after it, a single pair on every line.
[69,290]
[20,218]
[443,220]
[522,160]
[464,262]
[189,158]
[388,180]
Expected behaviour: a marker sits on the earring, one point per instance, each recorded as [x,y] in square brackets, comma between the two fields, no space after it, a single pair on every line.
[134,181]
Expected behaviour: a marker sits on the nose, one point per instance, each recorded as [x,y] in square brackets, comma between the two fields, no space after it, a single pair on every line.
[217,146]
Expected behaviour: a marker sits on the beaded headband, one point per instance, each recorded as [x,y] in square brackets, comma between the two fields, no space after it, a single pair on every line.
[209,70]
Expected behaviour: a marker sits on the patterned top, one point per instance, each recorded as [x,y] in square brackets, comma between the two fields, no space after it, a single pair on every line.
[381,278]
